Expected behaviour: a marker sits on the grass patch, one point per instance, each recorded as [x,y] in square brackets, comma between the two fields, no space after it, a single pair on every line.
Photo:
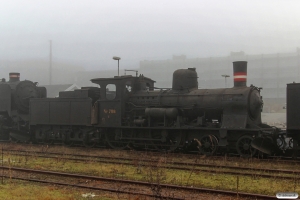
[15,190]
[157,175]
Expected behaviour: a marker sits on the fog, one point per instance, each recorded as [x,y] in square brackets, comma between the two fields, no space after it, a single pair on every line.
[89,33]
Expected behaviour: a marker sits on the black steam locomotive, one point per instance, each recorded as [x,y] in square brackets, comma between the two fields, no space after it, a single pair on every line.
[14,105]
[127,111]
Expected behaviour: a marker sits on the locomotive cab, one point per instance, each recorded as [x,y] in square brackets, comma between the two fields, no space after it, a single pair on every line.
[115,93]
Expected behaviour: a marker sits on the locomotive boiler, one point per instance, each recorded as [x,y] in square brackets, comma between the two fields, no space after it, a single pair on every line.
[235,108]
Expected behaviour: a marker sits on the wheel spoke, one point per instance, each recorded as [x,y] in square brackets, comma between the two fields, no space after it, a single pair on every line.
[208,144]
[243,146]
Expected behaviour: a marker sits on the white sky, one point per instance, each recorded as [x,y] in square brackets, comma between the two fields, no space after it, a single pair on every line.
[91,32]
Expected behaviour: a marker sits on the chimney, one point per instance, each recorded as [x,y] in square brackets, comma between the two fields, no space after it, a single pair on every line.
[240,73]
[14,76]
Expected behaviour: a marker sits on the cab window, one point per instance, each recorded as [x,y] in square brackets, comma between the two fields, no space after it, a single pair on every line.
[128,86]
[110,91]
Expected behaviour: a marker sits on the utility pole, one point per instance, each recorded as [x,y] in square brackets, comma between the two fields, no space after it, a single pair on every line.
[50,64]
[225,76]
[262,70]
[118,59]
[277,75]
[298,63]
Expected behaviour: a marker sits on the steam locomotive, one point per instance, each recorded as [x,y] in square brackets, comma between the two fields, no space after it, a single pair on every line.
[14,105]
[129,112]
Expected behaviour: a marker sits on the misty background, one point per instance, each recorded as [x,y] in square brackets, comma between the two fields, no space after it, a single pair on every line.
[86,35]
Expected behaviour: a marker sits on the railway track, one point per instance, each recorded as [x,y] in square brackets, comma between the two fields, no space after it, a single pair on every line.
[171,165]
[229,156]
[140,186]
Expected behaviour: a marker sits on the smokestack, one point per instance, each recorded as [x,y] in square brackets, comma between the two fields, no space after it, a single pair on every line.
[240,73]
[14,76]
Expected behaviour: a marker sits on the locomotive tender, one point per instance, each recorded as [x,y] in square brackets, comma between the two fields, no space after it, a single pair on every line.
[127,111]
